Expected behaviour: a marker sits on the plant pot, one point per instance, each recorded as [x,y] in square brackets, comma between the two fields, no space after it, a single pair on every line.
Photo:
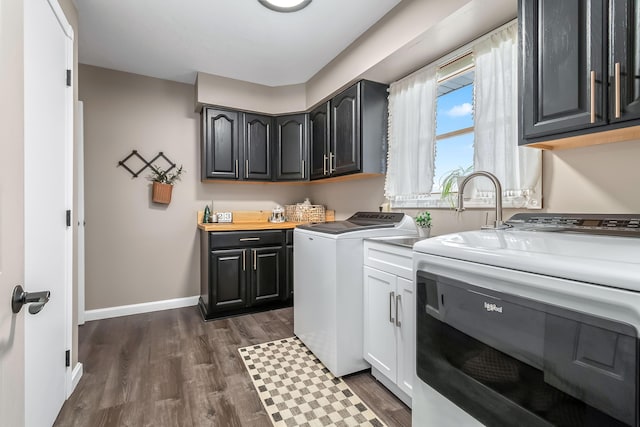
[161,193]
[424,232]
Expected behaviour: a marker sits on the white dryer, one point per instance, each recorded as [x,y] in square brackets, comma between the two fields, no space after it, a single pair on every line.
[328,297]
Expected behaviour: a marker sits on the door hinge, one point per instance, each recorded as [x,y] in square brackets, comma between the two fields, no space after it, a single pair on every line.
[67,358]
[68,77]
[68,217]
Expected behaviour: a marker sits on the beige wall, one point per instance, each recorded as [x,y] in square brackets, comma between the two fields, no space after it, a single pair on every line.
[596,179]
[136,251]
[11,210]
[217,90]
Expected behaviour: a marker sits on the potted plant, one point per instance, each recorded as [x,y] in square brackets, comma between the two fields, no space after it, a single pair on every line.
[423,221]
[450,182]
[163,183]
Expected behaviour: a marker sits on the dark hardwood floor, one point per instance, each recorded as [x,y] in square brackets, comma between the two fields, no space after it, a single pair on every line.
[170,368]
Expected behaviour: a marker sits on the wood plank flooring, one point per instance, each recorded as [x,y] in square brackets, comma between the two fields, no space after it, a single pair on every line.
[170,368]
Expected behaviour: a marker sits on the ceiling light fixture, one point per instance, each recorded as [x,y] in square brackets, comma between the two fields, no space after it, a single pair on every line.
[285,5]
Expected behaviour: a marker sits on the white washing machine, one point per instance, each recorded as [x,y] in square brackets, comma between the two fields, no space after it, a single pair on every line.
[534,325]
[328,296]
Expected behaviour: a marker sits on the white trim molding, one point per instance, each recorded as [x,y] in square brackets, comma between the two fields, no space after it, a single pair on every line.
[76,374]
[145,307]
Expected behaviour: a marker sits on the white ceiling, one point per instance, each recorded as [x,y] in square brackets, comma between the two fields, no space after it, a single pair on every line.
[240,39]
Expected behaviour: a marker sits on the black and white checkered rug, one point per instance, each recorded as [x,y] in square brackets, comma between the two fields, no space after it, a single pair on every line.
[297,390]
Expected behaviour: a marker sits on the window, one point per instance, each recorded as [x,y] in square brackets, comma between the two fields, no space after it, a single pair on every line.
[454,122]
[457,116]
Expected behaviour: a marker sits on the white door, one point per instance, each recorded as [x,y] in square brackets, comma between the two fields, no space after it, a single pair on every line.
[380,321]
[48,115]
[11,213]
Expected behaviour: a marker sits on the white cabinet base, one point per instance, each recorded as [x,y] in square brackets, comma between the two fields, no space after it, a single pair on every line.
[393,387]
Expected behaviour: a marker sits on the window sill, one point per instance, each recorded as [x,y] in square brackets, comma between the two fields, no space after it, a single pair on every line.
[435,202]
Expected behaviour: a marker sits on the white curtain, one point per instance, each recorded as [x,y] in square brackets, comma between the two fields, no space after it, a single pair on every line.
[412,112]
[519,169]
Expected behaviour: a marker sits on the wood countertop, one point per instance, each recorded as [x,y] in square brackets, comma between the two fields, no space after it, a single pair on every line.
[253,220]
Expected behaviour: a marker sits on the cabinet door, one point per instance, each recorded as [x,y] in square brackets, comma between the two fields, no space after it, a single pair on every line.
[406,343]
[345,132]
[220,155]
[291,148]
[562,45]
[380,321]
[257,147]
[289,292]
[266,275]
[227,280]
[624,62]
[319,141]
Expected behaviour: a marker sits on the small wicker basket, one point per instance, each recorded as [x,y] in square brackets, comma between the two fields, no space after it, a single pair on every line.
[304,213]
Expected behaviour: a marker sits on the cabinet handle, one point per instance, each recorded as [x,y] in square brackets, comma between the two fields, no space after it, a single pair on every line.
[332,163]
[246,168]
[593,96]
[302,169]
[236,168]
[324,165]
[249,239]
[244,260]
[391,298]
[617,84]
[255,259]
[398,324]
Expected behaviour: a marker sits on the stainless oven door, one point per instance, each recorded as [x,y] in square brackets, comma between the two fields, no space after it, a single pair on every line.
[507,359]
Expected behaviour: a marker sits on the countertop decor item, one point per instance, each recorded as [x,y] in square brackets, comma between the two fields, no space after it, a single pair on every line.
[450,181]
[305,212]
[423,221]
[163,181]
[277,214]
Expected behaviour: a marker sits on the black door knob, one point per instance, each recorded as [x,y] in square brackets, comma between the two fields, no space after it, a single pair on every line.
[36,299]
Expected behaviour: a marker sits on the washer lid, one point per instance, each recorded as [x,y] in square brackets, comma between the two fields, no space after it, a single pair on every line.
[358,221]
[604,260]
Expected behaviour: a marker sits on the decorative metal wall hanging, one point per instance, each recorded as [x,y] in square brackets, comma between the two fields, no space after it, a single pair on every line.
[147,164]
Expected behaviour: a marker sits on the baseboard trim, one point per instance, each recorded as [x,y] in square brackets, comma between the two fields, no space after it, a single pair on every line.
[76,374]
[145,307]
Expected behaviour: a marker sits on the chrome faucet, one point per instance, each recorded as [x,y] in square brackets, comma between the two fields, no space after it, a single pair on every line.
[498,224]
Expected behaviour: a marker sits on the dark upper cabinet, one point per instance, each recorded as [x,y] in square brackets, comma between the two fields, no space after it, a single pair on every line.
[624,60]
[345,135]
[290,153]
[220,144]
[563,69]
[355,138]
[319,141]
[257,146]
[345,132]
[579,67]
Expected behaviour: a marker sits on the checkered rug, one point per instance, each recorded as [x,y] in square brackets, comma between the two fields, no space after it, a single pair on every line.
[297,390]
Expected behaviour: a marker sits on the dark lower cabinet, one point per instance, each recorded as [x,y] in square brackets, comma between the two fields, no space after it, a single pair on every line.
[267,275]
[242,272]
[289,291]
[228,284]
[289,261]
